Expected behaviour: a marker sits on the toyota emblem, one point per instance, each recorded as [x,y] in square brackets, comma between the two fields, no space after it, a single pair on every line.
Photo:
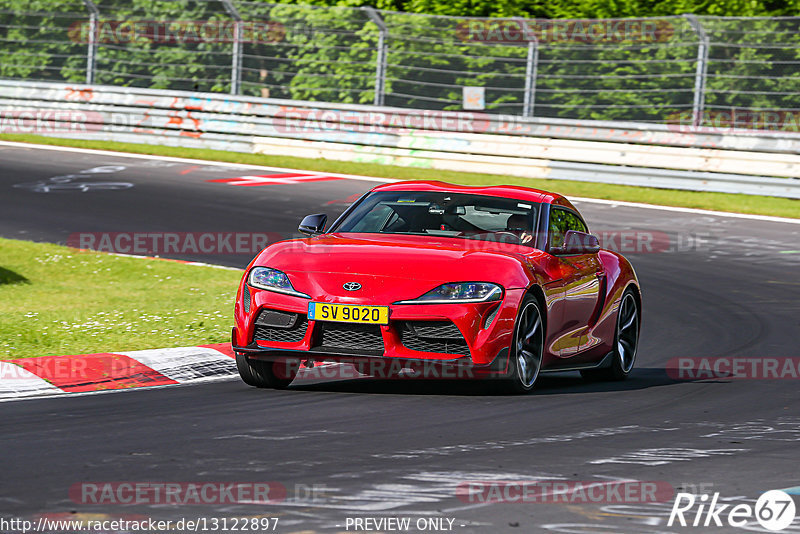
[352,286]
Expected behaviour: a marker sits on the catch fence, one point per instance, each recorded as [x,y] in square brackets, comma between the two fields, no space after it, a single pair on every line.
[691,70]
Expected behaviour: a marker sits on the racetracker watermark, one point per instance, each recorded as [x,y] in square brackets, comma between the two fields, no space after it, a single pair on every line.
[642,241]
[180,493]
[566,31]
[565,492]
[38,121]
[388,369]
[162,243]
[66,522]
[727,121]
[75,373]
[297,121]
[734,368]
[176,31]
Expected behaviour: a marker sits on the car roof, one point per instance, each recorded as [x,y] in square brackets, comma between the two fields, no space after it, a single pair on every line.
[508,191]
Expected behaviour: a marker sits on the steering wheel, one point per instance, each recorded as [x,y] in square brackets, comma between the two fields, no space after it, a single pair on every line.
[503,233]
[498,236]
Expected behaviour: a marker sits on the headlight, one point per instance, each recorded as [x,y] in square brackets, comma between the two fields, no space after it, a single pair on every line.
[460,292]
[273,280]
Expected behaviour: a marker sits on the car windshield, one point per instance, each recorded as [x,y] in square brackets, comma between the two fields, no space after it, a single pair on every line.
[434,213]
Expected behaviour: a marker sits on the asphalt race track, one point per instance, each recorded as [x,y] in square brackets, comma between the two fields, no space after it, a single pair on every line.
[713,287]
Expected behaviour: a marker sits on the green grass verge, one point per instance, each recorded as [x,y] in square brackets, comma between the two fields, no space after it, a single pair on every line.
[781,207]
[56,300]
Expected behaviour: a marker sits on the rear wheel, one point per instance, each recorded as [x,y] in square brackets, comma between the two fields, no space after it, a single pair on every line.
[527,347]
[262,374]
[626,340]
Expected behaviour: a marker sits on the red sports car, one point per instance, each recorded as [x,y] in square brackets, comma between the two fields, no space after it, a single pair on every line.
[420,278]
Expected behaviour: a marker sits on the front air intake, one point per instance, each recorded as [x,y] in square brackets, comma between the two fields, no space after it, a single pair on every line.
[433,336]
[280,326]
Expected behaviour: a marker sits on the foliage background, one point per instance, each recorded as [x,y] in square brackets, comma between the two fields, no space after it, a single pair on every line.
[327,50]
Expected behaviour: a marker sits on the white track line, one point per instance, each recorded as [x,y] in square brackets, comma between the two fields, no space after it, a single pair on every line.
[182,262]
[188,160]
[58,393]
[767,218]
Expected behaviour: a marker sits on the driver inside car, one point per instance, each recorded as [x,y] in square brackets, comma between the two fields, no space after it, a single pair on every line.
[519,225]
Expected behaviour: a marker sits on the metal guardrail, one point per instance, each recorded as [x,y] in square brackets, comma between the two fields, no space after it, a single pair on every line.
[761,163]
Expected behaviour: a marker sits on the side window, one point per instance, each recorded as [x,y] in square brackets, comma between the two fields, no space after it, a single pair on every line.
[575,223]
[558,227]
[375,219]
[562,220]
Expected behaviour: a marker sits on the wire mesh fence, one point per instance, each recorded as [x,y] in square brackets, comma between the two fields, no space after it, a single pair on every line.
[701,71]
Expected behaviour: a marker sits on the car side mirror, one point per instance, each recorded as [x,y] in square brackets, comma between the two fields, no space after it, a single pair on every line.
[577,243]
[313,224]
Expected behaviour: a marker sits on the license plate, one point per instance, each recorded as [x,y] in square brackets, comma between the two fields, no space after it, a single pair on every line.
[348,313]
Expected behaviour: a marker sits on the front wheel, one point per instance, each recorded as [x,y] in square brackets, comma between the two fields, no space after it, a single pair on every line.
[262,374]
[626,340]
[527,347]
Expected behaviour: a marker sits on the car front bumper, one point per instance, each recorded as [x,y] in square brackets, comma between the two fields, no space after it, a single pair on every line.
[485,331]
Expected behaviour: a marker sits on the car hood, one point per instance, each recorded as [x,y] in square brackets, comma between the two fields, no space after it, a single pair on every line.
[400,266]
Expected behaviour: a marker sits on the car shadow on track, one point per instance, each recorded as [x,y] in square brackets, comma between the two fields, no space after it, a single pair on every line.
[549,384]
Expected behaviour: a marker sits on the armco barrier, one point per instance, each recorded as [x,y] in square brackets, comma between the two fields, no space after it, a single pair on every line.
[666,156]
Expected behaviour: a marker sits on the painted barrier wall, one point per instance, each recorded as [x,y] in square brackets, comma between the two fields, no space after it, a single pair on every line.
[670,156]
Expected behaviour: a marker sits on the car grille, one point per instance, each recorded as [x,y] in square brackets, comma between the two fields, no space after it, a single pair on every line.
[352,338]
[276,325]
[433,336]
[246,298]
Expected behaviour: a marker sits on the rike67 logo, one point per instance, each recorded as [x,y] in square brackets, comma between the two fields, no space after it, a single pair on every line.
[774,510]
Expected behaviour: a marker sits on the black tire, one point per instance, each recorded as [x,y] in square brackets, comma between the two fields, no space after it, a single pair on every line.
[527,347]
[261,374]
[626,341]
